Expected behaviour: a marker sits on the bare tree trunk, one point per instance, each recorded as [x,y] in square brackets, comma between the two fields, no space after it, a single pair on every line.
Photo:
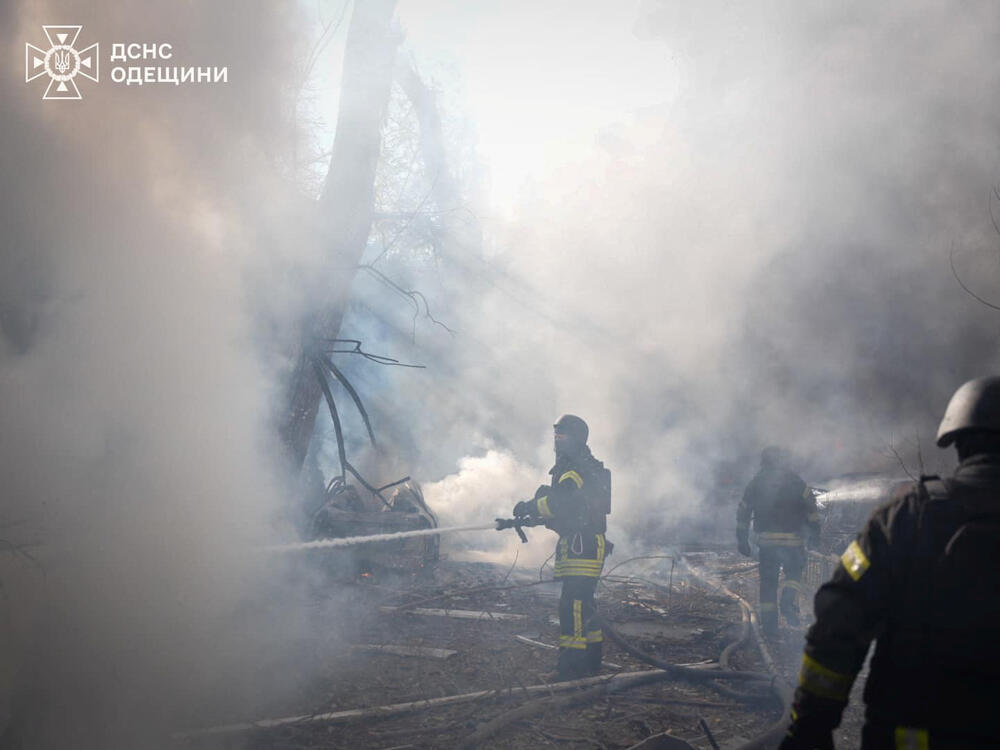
[346,202]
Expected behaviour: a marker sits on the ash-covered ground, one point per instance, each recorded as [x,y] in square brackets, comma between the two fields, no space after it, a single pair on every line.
[655,604]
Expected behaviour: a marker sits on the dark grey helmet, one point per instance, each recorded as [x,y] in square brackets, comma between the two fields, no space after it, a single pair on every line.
[572,425]
[975,406]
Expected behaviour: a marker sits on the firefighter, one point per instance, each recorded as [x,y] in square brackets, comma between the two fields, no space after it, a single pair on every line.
[780,505]
[921,579]
[575,505]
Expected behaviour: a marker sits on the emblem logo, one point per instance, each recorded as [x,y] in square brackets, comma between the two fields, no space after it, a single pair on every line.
[61,62]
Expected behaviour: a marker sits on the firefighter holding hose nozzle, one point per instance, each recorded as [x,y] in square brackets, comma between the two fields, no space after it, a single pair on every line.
[575,505]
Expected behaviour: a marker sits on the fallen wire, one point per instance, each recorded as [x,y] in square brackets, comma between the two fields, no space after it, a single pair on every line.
[533,708]
[641,557]
[510,570]
[625,580]
[686,673]
[511,587]
[738,569]
[708,734]
[776,731]
[614,636]
[692,674]
[541,570]
[377,358]
[665,670]
[466,592]
[395,709]
[493,587]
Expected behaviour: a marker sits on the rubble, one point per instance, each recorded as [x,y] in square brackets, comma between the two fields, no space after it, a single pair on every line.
[374,698]
[419,651]
[459,614]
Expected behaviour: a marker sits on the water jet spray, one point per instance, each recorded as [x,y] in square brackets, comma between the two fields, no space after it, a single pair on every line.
[350,541]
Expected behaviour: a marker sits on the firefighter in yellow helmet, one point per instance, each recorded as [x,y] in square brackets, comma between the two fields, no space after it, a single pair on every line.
[575,505]
[921,580]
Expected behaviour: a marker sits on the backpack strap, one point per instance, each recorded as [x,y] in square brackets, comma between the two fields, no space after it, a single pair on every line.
[932,487]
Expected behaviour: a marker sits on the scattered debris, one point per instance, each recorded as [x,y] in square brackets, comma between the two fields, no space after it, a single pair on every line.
[458,614]
[617,681]
[550,647]
[421,651]
[496,692]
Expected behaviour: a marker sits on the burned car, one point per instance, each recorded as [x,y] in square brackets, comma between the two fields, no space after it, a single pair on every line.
[350,512]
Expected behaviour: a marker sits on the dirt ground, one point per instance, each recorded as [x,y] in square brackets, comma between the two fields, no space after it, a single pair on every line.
[652,604]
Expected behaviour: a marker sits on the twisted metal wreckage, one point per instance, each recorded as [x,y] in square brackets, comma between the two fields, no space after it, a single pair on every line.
[344,514]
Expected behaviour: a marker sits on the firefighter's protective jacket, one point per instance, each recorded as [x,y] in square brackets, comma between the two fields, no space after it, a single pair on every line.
[575,505]
[780,505]
[923,579]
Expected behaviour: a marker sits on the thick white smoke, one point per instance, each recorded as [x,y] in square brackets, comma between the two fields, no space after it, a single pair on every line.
[481,490]
[138,442]
[758,255]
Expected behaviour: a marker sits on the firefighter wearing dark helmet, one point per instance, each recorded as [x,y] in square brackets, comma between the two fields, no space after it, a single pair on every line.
[923,580]
[780,505]
[575,505]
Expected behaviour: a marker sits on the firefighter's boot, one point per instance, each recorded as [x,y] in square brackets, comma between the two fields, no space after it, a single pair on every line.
[595,650]
[769,618]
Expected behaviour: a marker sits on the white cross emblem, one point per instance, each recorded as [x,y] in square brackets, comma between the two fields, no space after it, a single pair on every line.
[61,62]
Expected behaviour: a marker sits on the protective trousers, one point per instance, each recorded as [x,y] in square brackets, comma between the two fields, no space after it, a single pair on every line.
[581,640]
[772,559]
[579,562]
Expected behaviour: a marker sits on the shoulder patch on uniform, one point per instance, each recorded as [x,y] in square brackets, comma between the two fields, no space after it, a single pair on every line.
[855,561]
[577,479]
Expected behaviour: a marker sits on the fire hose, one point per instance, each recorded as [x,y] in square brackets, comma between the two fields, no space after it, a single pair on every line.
[687,673]
[772,736]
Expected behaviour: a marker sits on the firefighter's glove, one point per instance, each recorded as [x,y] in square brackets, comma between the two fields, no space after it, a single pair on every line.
[812,729]
[804,735]
[522,509]
[743,545]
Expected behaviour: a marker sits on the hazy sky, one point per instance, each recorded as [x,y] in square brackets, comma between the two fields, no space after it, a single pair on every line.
[542,81]
[538,82]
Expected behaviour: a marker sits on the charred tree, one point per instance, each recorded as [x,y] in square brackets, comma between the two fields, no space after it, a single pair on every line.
[345,204]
